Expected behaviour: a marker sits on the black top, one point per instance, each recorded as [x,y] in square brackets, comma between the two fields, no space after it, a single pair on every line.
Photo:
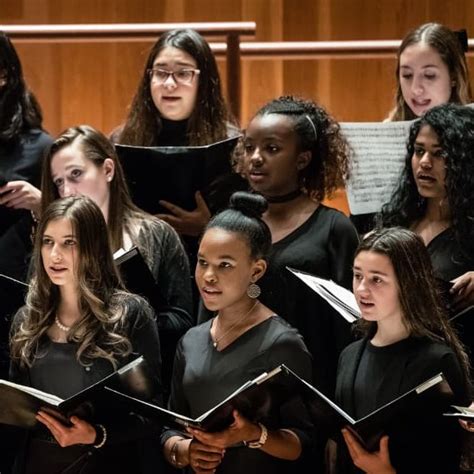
[19,160]
[449,263]
[203,376]
[324,246]
[58,368]
[427,442]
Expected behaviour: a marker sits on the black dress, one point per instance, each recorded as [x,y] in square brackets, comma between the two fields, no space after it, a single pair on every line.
[203,376]
[129,448]
[369,377]
[324,245]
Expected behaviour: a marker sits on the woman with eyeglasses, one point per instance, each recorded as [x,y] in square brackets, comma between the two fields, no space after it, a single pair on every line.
[179,102]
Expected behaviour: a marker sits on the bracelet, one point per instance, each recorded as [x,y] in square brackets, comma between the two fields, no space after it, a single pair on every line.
[101,443]
[261,441]
[174,454]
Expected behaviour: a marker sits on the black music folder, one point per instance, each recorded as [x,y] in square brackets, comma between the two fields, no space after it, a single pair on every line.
[331,418]
[254,399]
[19,403]
[175,173]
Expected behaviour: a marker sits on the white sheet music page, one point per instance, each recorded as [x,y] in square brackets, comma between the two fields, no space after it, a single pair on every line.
[379,150]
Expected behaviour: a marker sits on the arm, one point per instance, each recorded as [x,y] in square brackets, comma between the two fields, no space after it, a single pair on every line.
[20,195]
[168,262]
[463,290]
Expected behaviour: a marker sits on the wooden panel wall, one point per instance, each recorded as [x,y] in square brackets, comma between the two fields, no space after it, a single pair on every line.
[94,83]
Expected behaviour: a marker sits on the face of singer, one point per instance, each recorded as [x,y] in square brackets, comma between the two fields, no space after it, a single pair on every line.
[424,78]
[174,101]
[272,159]
[429,164]
[225,269]
[375,287]
[59,252]
[73,174]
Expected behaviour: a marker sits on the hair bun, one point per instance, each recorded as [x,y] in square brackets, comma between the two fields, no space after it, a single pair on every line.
[252,205]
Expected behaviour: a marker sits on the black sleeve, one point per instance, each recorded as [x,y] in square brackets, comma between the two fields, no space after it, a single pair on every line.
[177,401]
[143,335]
[170,268]
[289,349]
[343,243]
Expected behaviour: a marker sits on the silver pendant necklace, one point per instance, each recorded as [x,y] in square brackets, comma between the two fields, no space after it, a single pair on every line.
[218,339]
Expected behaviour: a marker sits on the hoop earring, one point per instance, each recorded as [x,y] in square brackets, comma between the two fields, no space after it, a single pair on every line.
[253,291]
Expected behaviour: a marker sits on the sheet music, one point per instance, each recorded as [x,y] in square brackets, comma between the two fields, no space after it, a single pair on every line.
[379,150]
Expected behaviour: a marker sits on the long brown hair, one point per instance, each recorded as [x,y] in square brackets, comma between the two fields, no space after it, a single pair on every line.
[423,312]
[208,121]
[102,300]
[448,46]
[96,147]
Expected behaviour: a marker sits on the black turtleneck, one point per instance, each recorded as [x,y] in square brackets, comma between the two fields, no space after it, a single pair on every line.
[173,133]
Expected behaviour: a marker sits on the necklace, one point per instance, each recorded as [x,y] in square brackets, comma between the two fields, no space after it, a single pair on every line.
[218,339]
[60,325]
[285,197]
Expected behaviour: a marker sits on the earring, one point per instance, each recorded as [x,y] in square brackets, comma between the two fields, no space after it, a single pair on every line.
[253,291]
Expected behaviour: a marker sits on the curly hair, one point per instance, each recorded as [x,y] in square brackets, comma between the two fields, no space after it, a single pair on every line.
[320,134]
[420,300]
[19,109]
[208,121]
[447,44]
[454,126]
[100,333]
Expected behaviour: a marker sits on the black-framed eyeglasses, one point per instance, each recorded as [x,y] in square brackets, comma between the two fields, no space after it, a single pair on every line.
[181,76]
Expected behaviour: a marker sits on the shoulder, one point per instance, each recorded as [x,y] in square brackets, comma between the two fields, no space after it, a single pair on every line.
[136,311]
[154,228]
[116,133]
[352,350]
[337,219]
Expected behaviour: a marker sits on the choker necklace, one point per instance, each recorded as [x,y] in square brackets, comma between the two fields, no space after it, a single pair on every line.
[60,325]
[216,341]
[284,198]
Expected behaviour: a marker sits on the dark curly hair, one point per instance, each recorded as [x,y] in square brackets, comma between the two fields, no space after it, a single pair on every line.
[454,126]
[208,121]
[19,109]
[319,133]
[448,45]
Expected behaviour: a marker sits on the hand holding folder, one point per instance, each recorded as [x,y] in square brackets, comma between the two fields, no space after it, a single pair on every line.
[19,404]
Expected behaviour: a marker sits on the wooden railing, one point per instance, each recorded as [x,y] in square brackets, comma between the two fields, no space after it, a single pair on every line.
[231,31]
[233,49]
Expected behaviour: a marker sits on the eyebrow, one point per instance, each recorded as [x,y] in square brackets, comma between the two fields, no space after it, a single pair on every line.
[402,66]
[179,63]
[220,257]
[68,167]
[68,236]
[434,145]
[374,272]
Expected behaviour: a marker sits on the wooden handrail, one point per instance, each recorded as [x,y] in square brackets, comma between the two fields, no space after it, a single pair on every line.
[317,49]
[114,32]
[120,31]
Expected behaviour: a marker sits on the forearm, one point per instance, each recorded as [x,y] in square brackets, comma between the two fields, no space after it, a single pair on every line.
[282,444]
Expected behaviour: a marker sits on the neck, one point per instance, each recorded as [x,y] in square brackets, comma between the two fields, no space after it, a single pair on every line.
[68,308]
[437,210]
[389,332]
[235,314]
[282,198]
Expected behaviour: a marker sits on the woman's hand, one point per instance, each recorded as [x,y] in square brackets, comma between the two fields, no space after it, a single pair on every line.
[240,430]
[372,463]
[80,432]
[20,195]
[468,425]
[187,222]
[204,458]
[463,290]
